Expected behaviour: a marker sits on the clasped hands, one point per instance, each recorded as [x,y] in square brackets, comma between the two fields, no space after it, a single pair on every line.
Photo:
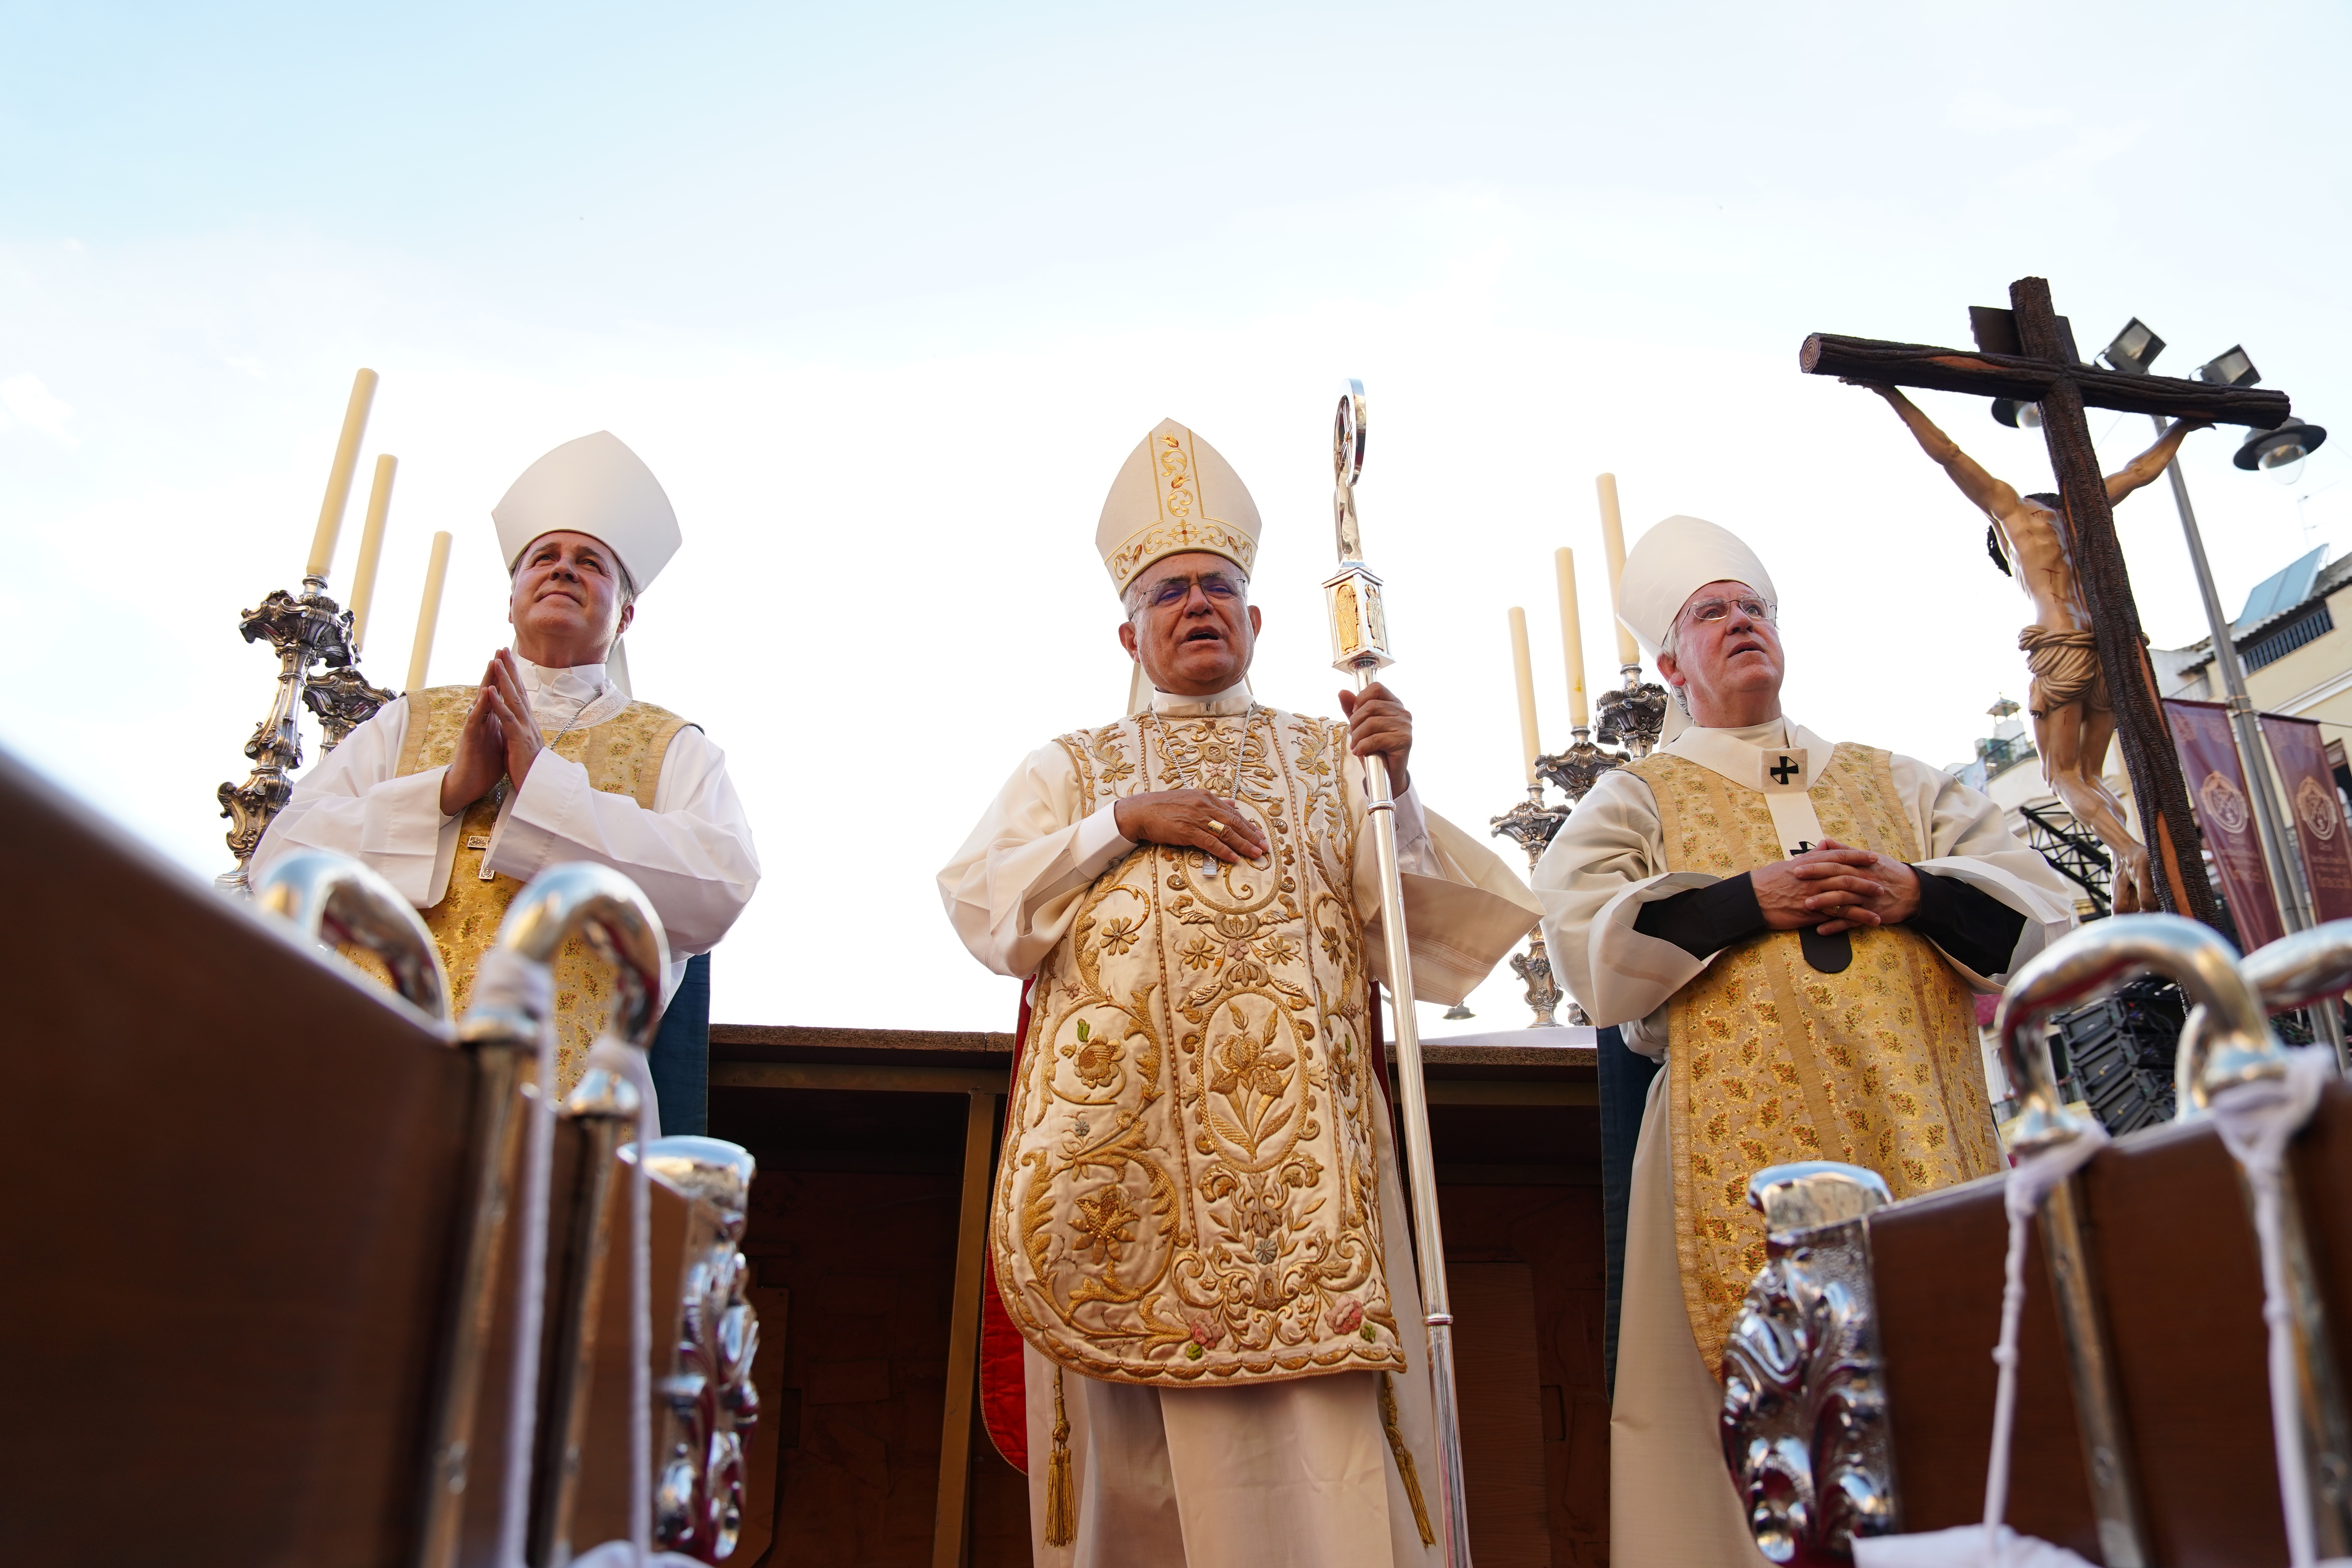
[501,739]
[1835,888]
[1378,724]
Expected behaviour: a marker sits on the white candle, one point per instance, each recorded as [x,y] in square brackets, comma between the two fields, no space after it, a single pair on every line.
[339,478]
[1571,638]
[1612,539]
[428,614]
[1526,672]
[371,548]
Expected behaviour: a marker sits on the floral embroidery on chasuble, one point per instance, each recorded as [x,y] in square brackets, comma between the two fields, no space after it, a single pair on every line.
[1188,1191]
[1769,1060]
[622,756]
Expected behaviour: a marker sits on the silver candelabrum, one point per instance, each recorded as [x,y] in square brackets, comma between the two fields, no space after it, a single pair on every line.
[1633,716]
[311,630]
[1531,824]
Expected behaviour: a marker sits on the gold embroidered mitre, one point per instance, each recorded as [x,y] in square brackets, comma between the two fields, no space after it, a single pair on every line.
[1174,493]
[1190,1187]
[1771,1060]
[624,756]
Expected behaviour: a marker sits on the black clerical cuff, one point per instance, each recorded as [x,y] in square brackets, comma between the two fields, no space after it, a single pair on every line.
[1969,924]
[1703,921]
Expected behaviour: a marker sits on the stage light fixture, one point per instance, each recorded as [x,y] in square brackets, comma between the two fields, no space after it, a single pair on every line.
[2134,348]
[2016,416]
[2230,367]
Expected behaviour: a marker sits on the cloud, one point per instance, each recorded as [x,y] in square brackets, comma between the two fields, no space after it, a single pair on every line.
[28,402]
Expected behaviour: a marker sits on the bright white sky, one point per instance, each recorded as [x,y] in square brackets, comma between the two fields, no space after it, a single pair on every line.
[885,294]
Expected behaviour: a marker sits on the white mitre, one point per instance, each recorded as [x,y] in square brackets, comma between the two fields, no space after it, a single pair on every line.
[1675,560]
[1175,492]
[595,486]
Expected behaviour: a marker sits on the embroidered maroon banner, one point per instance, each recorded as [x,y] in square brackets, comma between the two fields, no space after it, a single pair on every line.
[2208,762]
[2301,753]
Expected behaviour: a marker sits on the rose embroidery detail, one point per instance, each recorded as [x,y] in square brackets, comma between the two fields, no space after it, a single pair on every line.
[1345,1315]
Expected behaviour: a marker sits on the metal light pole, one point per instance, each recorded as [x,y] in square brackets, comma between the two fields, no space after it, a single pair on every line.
[2133,349]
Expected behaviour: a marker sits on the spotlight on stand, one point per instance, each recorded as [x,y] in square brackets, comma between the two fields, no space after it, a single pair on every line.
[2280,452]
[2134,348]
[2016,416]
[2230,367]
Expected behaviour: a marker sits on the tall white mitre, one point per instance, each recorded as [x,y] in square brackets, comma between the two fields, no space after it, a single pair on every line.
[1174,493]
[1675,560]
[595,486]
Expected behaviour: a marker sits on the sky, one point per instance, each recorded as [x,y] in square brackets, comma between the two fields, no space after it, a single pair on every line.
[885,294]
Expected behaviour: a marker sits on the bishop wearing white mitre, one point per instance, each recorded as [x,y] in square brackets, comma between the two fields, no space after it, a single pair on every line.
[1197,1225]
[458,795]
[1797,928]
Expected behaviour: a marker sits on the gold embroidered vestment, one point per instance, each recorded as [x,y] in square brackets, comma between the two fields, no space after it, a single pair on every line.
[1770,1061]
[1189,1190]
[624,756]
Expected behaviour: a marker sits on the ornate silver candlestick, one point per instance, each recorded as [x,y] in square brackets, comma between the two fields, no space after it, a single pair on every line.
[1633,716]
[342,700]
[1530,824]
[312,629]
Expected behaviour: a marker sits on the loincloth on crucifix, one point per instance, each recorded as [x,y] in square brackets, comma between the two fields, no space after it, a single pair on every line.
[2065,669]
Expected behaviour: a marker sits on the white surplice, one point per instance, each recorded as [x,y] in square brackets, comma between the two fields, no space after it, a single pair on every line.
[691,853]
[1672,1504]
[1283,1475]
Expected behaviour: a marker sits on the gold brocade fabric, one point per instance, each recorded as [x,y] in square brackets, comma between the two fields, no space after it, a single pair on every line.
[1770,1061]
[622,756]
[1188,1191]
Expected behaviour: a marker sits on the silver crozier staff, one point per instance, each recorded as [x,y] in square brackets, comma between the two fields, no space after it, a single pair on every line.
[1359,639]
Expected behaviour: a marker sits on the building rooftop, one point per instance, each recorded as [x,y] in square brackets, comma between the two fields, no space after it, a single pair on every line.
[2273,602]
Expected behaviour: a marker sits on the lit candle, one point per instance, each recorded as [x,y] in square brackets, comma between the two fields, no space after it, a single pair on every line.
[1612,539]
[428,614]
[371,547]
[339,478]
[1527,675]
[1571,638]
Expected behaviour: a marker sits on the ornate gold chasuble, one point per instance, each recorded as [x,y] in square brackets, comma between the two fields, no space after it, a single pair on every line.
[624,756]
[1189,1190]
[1770,1061]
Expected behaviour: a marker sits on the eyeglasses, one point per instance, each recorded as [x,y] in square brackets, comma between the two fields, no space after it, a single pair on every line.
[1176,590]
[1707,611]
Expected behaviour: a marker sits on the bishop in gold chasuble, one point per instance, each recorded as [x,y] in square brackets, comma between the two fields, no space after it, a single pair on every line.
[1190,1191]
[1196,1225]
[458,795]
[1799,930]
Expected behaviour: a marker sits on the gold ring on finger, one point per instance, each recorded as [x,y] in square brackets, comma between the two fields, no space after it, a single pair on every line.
[1215,825]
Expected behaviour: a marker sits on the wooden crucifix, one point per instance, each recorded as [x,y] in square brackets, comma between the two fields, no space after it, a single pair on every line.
[2027,353]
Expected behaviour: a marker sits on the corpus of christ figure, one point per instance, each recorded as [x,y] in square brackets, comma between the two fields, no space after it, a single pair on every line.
[2074,717]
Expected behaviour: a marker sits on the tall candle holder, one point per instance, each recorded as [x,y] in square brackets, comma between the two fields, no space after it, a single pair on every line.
[305,631]
[1530,824]
[1633,716]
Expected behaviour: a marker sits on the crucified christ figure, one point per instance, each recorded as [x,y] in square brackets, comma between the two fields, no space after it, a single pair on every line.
[2074,720]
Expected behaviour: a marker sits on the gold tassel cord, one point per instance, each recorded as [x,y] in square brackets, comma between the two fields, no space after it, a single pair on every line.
[1389,1424]
[1061,1502]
